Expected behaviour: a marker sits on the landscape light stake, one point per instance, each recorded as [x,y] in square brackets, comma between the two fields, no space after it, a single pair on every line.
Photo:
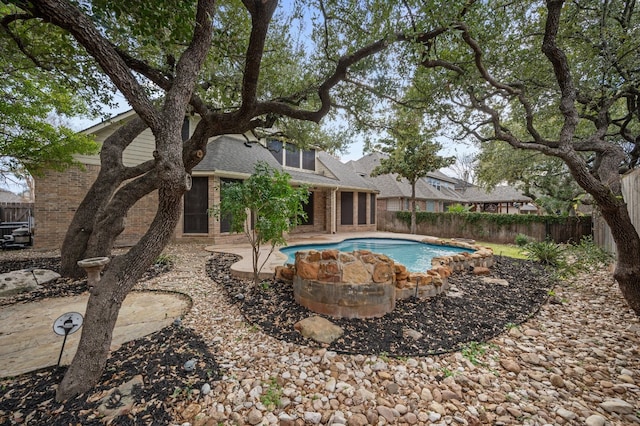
[65,325]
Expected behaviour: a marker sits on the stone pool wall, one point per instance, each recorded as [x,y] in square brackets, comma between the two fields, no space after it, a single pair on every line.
[362,284]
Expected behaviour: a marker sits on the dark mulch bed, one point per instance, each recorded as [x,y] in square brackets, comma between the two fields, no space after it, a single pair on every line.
[446,323]
[159,358]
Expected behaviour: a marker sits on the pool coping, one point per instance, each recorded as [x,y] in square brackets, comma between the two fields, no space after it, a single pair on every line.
[244,267]
[469,249]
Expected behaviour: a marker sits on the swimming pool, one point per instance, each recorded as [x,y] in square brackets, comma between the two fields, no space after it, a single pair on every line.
[415,255]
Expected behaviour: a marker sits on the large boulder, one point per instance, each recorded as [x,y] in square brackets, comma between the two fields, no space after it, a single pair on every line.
[319,329]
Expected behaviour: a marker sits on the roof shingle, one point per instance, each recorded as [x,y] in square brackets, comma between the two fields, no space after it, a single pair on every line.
[232,155]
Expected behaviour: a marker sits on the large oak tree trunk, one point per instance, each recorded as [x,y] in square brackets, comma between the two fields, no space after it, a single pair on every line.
[614,211]
[166,170]
[106,298]
[76,244]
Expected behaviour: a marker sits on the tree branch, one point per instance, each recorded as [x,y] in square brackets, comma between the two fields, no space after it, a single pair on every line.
[67,16]
[18,41]
[261,14]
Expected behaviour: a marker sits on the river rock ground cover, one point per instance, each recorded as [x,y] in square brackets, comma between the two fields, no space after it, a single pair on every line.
[574,362]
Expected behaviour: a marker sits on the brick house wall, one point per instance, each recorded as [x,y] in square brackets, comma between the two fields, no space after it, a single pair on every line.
[320,203]
[355,227]
[58,196]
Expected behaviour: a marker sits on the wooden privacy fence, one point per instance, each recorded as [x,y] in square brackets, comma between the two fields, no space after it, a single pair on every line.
[15,212]
[490,227]
[630,191]
[15,215]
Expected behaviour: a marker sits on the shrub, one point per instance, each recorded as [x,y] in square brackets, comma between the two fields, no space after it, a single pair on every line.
[522,240]
[164,260]
[587,255]
[546,252]
[458,208]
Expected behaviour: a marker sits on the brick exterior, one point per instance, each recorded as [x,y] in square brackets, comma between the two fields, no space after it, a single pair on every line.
[320,221]
[368,227]
[58,196]
[320,199]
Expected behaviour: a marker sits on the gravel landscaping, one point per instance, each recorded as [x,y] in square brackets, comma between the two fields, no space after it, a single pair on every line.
[574,361]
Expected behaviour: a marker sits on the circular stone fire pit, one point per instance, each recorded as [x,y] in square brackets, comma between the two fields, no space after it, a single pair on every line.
[345,285]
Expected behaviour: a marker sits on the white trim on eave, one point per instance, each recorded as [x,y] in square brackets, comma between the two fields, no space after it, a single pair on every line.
[110,121]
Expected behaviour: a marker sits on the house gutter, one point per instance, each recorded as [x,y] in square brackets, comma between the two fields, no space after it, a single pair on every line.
[236,175]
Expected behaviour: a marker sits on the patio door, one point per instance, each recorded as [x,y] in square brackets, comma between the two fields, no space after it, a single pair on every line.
[196,203]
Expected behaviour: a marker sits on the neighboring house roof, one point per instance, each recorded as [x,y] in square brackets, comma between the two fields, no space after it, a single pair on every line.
[501,193]
[10,197]
[344,173]
[390,187]
[461,184]
[447,194]
[233,156]
[441,176]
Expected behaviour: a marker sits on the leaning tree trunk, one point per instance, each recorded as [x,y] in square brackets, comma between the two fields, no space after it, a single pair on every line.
[110,223]
[82,226]
[614,211]
[106,298]
[76,244]
[627,269]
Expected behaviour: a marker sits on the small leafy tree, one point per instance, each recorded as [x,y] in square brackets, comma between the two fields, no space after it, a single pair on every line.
[412,153]
[272,204]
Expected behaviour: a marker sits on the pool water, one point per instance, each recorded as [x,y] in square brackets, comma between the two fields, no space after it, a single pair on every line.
[416,256]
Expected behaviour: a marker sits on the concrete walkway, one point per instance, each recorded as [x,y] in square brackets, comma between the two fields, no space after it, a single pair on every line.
[244,267]
[28,343]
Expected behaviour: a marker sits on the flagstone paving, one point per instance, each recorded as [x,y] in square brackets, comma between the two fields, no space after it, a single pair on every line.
[28,342]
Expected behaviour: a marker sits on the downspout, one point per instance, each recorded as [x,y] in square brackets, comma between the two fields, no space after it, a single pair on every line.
[334,206]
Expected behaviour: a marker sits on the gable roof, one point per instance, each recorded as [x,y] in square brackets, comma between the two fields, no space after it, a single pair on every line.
[234,157]
[501,193]
[390,187]
[437,174]
[118,118]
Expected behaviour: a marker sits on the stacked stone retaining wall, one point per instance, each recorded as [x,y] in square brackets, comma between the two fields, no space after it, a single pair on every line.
[362,284]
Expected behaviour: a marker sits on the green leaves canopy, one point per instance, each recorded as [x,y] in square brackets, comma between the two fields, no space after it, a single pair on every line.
[411,149]
[545,179]
[45,78]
